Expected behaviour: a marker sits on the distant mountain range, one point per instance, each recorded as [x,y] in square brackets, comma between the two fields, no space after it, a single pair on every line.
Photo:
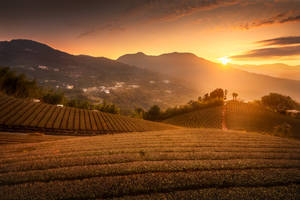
[136,80]
[203,75]
[93,78]
[278,70]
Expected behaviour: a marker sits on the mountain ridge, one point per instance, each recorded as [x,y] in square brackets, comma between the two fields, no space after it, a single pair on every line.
[206,75]
[93,78]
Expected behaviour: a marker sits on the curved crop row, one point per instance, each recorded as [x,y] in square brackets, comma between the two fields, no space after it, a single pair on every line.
[153,164]
[243,116]
[206,118]
[25,115]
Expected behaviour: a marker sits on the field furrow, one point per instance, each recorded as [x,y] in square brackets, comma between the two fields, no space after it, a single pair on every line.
[40,116]
[46,117]
[116,186]
[65,119]
[141,167]
[289,191]
[149,165]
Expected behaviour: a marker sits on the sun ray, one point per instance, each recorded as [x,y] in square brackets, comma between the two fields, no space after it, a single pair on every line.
[224,60]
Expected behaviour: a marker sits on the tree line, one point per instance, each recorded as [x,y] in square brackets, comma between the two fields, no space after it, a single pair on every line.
[212,99]
[273,101]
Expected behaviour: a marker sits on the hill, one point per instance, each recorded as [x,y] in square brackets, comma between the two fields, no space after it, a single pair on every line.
[203,75]
[204,118]
[93,78]
[277,70]
[20,138]
[240,116]
[176,164]
[25,115]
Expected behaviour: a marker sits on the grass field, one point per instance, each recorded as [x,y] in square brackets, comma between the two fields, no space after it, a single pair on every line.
[170,164]
[25,116]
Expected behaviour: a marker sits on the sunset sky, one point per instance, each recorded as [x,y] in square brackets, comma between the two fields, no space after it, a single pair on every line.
[248,31]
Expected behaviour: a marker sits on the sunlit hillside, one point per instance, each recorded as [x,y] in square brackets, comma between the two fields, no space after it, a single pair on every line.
[240,116]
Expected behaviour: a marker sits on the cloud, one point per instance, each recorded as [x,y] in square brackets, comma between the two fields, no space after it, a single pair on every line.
[281,41]
[277,19]
[93,16]
[173,9]
[270,52]
[151,11]
[106,27]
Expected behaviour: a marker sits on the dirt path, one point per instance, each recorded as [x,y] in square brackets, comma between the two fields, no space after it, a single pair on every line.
[224,126]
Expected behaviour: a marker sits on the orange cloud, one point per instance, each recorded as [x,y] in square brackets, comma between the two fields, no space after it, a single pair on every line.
[278,19]
[281,41]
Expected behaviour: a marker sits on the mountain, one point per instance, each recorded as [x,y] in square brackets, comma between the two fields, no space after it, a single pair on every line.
[277,70]
[203,75]
[93,78]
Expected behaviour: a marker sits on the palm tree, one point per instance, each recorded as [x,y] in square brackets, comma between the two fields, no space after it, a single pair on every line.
[234,96]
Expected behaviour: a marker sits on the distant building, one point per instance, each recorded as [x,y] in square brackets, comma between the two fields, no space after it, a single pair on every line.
[36,100]
[293,113]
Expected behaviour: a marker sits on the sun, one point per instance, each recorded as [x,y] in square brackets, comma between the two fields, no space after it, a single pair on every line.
[224,60]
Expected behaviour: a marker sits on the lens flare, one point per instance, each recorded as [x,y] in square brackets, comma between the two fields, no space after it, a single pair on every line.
[224,60]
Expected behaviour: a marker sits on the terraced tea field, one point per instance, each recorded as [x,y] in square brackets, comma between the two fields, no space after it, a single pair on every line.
[24,115]
[242,116]
[239,116]
[206,118]
[171,164]
[15,138]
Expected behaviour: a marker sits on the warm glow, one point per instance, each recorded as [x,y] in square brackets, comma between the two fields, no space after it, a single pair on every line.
[224,60]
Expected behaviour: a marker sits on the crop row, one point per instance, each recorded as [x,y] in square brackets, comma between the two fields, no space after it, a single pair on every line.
[242,116]
[206,118]
[116,186]
[289,192]
[97,159]
[152,164]
[17,114]
[139,167]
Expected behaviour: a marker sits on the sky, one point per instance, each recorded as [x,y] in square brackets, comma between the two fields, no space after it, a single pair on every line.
[245,31]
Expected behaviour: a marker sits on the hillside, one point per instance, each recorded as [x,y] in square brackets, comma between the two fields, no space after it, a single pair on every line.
[239,116]
[242,116]
[206,118]
[178,164]
[20,138]
[203,75]
[93,78]
[25,115]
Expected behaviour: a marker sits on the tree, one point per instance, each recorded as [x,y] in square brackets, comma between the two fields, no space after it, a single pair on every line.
[53,98]
[109,108]
[217,94]
[153,113]
[234,96]
[139,113]
[206,97]
[200,98]
[17,85]
[278,102]
[225,94]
